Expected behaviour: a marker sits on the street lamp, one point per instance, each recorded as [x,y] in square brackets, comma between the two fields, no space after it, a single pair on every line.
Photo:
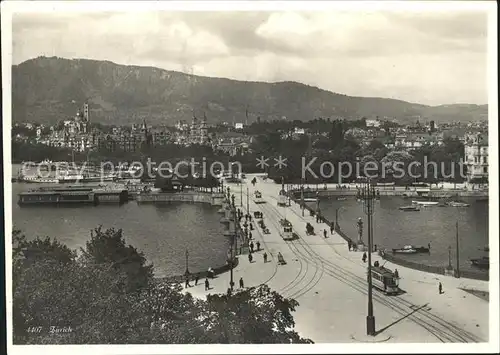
[231,282]
[248,203]
[241,193]
[368,197]
[187,264]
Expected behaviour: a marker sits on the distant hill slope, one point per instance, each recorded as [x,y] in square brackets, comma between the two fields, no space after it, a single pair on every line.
[43,90]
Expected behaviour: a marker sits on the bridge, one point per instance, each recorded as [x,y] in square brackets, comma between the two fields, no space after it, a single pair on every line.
[329,282]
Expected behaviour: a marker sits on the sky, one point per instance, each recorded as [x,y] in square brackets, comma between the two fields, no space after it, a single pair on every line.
[428,57]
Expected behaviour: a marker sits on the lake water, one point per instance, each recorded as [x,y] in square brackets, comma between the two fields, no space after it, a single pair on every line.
[435,225]
[161,232]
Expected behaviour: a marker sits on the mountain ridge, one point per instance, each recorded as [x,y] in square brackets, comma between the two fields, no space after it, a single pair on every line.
[44,88]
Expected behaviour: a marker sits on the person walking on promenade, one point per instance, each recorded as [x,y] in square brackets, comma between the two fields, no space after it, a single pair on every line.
[241,282]
[229,293]
[251,247]
[250,235]
[196,280]
[396,273]
[187,282]
[332,229]
[207,284]
[265,257]
[250,257]
[440,287]
[325,233]
[258,246]
[364,257]
[349,245]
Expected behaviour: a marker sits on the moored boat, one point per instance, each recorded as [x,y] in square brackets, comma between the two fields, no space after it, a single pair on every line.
[482,263]
[409,208]
[407,249]
[426,203]
[458,204]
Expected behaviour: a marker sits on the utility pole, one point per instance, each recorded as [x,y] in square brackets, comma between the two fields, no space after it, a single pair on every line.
[449,257]
[368,196]
[231,282]
[302,196]
[241,193]
[336,218]
[248,205]
[187,264]
[458,254]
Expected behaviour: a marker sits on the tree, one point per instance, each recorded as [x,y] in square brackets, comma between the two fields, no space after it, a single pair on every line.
[108,247]
[256,315]
[87,294]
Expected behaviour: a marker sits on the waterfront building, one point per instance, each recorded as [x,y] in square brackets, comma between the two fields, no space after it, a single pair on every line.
[476,155]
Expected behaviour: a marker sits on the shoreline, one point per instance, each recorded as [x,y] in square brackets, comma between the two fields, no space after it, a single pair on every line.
[437,270]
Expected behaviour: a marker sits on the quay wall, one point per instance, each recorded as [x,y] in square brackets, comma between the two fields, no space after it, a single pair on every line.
[215,199]
[396,192]
[441,270]
[201,274]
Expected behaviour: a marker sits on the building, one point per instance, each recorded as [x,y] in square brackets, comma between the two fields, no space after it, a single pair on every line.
[476,156]
[373,123]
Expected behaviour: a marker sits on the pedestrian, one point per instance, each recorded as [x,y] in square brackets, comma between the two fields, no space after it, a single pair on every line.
[187,282]
[332,229]
[258,246]
[250,234]
[396,273]
[265,257]
[440,288]
[364,257]
[196,280]
[241,282]
[375,247]
[324,233]
[250,218]
[229,293]
[349,245]
[251,247]
[250,257]
[207,284]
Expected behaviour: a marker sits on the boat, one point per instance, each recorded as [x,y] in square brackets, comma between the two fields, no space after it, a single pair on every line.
[341,198]
[407,249]
[313,199]
[409,208]
[425,203]
[482,263]
[38,180]
[458,204]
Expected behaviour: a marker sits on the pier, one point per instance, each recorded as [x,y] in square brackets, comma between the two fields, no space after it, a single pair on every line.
[329,282]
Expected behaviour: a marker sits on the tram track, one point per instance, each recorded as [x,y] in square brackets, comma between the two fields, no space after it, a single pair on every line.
[441,329]
[311,283]
[266,246]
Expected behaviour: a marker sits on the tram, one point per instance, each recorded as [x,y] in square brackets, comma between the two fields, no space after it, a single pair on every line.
[258,198]
[286,231]
[385,280]
[282,199]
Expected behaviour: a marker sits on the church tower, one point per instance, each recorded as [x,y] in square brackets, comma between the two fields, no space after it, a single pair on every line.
[204,130]
[194,130]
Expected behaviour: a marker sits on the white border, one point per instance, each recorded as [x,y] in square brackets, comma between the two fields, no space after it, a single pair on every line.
[93,6]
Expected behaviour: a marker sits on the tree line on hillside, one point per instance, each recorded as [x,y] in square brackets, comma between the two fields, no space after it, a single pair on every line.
[106,294]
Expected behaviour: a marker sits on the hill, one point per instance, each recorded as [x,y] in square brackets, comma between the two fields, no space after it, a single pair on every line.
[45,90]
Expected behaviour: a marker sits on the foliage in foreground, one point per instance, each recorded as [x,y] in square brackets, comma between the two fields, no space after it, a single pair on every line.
[108,295]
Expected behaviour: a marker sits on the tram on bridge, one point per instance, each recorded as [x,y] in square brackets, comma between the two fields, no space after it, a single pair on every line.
[286,229]
[385,280]
[258,198]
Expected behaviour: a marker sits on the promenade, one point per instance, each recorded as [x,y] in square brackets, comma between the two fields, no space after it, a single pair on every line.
[329,282]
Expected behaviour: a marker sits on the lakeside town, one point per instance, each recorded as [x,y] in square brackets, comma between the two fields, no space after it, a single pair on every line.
[236,177]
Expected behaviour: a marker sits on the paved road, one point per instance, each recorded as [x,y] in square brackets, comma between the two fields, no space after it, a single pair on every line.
[329,282]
